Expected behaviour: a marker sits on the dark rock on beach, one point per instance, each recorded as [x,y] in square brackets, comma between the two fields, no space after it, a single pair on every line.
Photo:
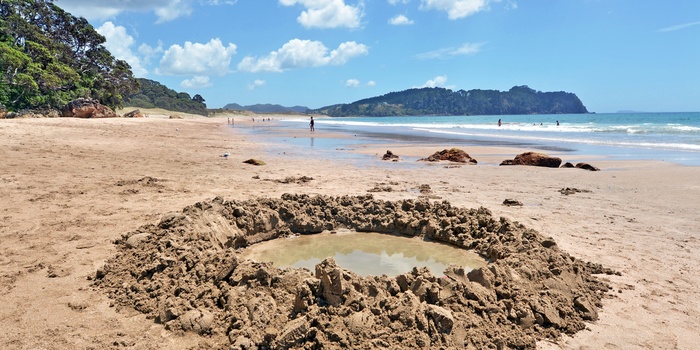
[134,114]
[584,166]
[453,155]
[254,162]
[534,159]
[390,156]
[512,202]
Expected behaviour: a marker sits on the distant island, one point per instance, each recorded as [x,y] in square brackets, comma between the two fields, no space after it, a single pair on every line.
[441,101]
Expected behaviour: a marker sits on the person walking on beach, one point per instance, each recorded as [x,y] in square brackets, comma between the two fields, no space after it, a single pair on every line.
[311,124]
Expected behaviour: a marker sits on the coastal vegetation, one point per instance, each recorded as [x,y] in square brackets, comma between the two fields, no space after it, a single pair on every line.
[441,101]
[49,57]
[152,94]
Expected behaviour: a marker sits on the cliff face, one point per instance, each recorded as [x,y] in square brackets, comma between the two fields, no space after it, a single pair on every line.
[441,101]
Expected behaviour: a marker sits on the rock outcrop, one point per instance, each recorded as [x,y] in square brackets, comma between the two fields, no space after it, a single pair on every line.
[87,108]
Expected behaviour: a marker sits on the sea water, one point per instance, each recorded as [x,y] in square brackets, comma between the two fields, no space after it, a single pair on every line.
[672,137]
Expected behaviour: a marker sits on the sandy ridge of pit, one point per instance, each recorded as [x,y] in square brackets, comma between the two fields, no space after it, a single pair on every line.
[184,273]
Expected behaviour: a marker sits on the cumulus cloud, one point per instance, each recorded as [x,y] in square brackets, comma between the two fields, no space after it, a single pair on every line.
[456,9]
[400,20]
[196,82]
[119,43]
[371,83]
[438,81]
[166,10]
[256,84]
[175,9]
[197,59]
[465,49]
[148,52]
[352,83]
[298,53]
[327,13]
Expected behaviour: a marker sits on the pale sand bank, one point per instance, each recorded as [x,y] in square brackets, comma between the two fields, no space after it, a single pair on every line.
[70,187]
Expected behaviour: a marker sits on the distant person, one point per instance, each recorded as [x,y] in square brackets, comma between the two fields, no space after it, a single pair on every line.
[311,124]
[499,122]
[557,123]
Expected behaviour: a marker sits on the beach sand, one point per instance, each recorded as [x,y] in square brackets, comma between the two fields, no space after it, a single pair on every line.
[71,187]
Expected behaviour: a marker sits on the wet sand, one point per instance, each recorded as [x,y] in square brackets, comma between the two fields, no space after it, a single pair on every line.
[71,187]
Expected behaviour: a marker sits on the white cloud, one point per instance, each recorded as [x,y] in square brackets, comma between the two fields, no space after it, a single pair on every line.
[166,10]
[438,81]
[302,54]
[148,52]
[175,9]
[456,9]
[394,2]
[371,83]
[196,82]
[219,2]
[212,58]
[256,84]
[400,20]
[327,13]
[119,43]
[466,49]
[352,83]
[678,27]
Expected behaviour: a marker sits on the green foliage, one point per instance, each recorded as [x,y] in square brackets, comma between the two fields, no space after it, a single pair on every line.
[49,57]
[153,94]
[440,101]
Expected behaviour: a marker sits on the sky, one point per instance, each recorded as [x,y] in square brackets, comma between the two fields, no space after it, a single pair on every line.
[641,55]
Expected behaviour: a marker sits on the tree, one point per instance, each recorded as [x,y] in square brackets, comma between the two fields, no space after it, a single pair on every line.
[154,94]
[49,57]
[198,98]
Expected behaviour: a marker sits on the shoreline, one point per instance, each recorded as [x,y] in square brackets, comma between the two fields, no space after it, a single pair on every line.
[542,141]
[72,187]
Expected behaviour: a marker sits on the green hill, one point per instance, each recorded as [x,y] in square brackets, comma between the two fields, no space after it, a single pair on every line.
[266,108]
[441,101]
[152,94]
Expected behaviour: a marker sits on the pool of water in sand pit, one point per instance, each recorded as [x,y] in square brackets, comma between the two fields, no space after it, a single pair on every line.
[364,253]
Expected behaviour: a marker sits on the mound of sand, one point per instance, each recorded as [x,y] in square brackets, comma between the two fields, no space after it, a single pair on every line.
[184,273]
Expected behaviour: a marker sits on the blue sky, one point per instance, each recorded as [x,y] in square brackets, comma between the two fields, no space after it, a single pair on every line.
[641,55]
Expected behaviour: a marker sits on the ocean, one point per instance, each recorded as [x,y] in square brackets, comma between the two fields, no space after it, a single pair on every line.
[671,137]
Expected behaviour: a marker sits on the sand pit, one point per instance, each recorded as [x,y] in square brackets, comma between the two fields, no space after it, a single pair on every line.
[184,273]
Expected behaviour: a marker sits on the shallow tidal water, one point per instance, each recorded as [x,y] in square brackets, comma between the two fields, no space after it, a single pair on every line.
[364,253]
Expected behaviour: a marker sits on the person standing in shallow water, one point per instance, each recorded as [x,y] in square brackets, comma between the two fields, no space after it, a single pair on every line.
[311,124]
[499,122]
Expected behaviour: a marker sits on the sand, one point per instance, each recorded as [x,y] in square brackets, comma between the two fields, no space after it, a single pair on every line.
[70,188]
